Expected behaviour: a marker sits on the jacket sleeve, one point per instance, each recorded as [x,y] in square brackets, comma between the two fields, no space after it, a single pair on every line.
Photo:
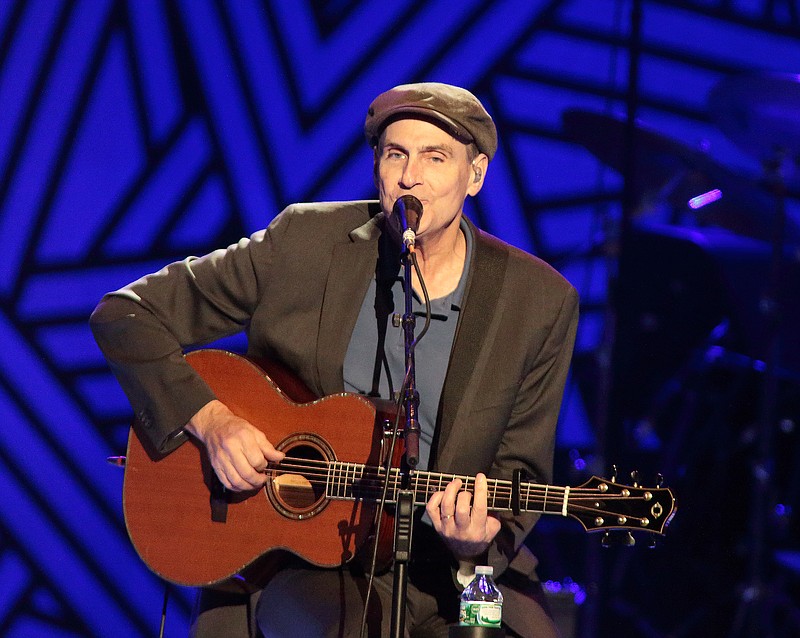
[528,441]
[144,328]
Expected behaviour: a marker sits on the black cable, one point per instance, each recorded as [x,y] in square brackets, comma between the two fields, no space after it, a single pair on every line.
[390,455]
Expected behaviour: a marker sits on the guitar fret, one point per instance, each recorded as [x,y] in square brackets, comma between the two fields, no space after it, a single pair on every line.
[337,480]
[349,476]
[329,479]
[357,477]
[342,480]
[416,486]
[347,480]
[391,495]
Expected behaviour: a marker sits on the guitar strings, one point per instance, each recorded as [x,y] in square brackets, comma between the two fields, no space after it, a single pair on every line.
[361,481]
[576,505]
[362,472]
[365,473]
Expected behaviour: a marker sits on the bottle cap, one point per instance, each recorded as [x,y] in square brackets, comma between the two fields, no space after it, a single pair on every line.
[484,569]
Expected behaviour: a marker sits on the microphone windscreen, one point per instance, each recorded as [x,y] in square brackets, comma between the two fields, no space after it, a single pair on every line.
[409,209]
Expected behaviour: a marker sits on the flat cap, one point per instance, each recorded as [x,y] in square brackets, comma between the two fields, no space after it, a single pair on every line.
[456,109]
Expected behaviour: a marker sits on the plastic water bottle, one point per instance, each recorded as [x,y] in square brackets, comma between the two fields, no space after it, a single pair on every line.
[481,601]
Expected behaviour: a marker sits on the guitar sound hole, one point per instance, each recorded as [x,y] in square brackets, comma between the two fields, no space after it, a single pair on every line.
[296,487]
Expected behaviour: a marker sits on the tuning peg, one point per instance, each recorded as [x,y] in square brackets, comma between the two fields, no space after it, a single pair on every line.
[628,540]
[635,478]
[614,473]
[660,481]
[610,539]
[652,543]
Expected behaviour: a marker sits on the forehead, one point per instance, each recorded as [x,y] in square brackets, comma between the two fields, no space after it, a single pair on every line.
[415,134]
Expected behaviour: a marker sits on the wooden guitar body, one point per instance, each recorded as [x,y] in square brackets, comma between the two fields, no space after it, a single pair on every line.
[167,501]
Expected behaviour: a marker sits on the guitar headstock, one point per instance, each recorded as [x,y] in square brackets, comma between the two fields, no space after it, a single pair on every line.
[602,504]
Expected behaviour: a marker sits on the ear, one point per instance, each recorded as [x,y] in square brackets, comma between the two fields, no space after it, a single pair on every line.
[479,166]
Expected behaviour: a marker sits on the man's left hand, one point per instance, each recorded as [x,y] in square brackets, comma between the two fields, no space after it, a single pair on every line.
[462,518]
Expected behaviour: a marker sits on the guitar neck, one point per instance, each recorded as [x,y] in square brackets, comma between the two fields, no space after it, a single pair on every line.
[597,504]
[353,481]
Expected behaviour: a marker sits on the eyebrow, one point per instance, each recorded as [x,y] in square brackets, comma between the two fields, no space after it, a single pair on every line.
[444,148]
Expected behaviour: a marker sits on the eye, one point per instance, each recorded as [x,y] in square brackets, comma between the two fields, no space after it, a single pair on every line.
[436,158]
[395,155]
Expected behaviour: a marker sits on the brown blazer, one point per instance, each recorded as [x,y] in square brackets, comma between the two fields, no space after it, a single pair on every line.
[296,289]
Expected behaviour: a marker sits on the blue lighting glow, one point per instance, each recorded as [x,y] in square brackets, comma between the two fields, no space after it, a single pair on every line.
[705,199]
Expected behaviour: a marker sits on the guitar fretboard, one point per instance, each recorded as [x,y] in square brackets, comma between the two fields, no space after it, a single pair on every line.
[356,481]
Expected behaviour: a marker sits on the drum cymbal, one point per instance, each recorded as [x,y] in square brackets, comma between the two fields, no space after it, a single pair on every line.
[760,113]
[669,172]
[659,160]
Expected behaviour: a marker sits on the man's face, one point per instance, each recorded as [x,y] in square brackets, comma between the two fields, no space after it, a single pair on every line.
[415,157]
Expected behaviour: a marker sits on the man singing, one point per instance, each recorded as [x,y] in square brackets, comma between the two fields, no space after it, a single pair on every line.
[319,290]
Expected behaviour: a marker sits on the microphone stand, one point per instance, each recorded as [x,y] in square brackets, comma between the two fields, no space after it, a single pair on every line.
[753,617]
[411,396]
[405,498]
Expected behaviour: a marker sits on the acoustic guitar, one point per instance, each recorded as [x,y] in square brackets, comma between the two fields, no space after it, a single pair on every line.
[320,502]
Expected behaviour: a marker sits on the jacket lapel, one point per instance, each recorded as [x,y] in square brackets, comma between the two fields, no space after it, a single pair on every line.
[352,266]
[486,276]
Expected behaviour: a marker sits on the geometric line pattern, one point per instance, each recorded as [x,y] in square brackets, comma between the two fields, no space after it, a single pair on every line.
[135,132]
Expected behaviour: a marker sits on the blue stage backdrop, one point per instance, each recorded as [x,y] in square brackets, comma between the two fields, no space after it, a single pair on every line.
[134,132]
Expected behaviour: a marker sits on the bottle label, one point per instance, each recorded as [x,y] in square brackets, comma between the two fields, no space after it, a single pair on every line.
[480,613]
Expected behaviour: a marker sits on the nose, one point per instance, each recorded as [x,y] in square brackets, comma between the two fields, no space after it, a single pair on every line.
[411,175]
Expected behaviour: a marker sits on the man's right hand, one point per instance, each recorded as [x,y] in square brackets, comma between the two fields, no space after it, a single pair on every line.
[238,451]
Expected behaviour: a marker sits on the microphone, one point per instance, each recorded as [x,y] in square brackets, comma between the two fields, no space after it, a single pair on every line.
[408,211]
